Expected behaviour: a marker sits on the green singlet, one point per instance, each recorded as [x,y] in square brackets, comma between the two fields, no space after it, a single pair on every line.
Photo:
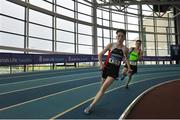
[133,56]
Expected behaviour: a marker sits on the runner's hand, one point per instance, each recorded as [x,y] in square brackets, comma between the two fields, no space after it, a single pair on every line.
[102,67]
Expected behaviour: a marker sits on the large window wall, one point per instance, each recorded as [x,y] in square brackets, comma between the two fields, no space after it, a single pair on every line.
[11,25]
[27,28]
[157,32]
[43,26]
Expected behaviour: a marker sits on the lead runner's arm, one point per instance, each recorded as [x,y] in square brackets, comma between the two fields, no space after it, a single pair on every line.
[108,47]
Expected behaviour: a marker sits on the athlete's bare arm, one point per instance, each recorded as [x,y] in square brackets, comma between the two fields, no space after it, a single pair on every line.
[140,55]
[108,47]
[126,58]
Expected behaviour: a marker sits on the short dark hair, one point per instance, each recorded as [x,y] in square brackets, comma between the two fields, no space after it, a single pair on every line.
[121,30]
[138,41]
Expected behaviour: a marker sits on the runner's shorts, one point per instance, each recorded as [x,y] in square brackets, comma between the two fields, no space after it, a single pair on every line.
[111,70]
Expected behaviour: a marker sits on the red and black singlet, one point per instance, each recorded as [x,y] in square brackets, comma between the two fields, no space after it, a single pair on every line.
[113,62]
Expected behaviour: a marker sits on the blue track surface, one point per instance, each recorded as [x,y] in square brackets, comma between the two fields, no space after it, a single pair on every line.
[65,93]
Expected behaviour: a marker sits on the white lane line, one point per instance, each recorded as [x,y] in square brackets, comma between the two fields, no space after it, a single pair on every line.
[60,82]
[50,95]
[45,72]
[44,79]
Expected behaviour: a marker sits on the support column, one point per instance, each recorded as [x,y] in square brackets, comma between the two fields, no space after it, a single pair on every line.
[177,27]
[94,29]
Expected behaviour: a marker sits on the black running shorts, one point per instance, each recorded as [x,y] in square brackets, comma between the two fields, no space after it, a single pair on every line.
[111,70]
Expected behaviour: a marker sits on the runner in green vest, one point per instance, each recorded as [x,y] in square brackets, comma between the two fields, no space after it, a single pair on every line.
[135,54]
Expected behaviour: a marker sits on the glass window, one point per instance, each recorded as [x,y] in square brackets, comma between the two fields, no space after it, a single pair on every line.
[106,15]
[40,18]
[65,25]
[65,12]
[146,10]
[170,29]
[133,20]
[106,33]
[85,49]
[65,36]
[150,52]
[162,38]
[99,13]
[66,3]
[83,1]
[150,62]
[100,49]
[114,34]
[84,9]
[131,43]
[99,21]
[162,53]
[84,39]
[11,40]
[161,30]
[150,45]
[149,28]
[133,27]
[11,9]
[172,39]
[65,47]
[149,37]
[11,25]
[106,41]
[114,40]
[106,23]
[42,4]
[162,45]
[85,29]
[132,9]
[162,22]
[133,36]
[118,25]
[148,21]
[84,17]
[100,42]
[39,31]
[99,32]
[117,17]
[167,62]
[40,44]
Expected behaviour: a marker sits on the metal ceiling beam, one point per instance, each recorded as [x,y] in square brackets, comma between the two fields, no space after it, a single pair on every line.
[178,9]
[152,2]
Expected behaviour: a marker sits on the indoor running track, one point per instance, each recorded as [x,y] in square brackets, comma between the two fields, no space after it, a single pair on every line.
[65,93]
